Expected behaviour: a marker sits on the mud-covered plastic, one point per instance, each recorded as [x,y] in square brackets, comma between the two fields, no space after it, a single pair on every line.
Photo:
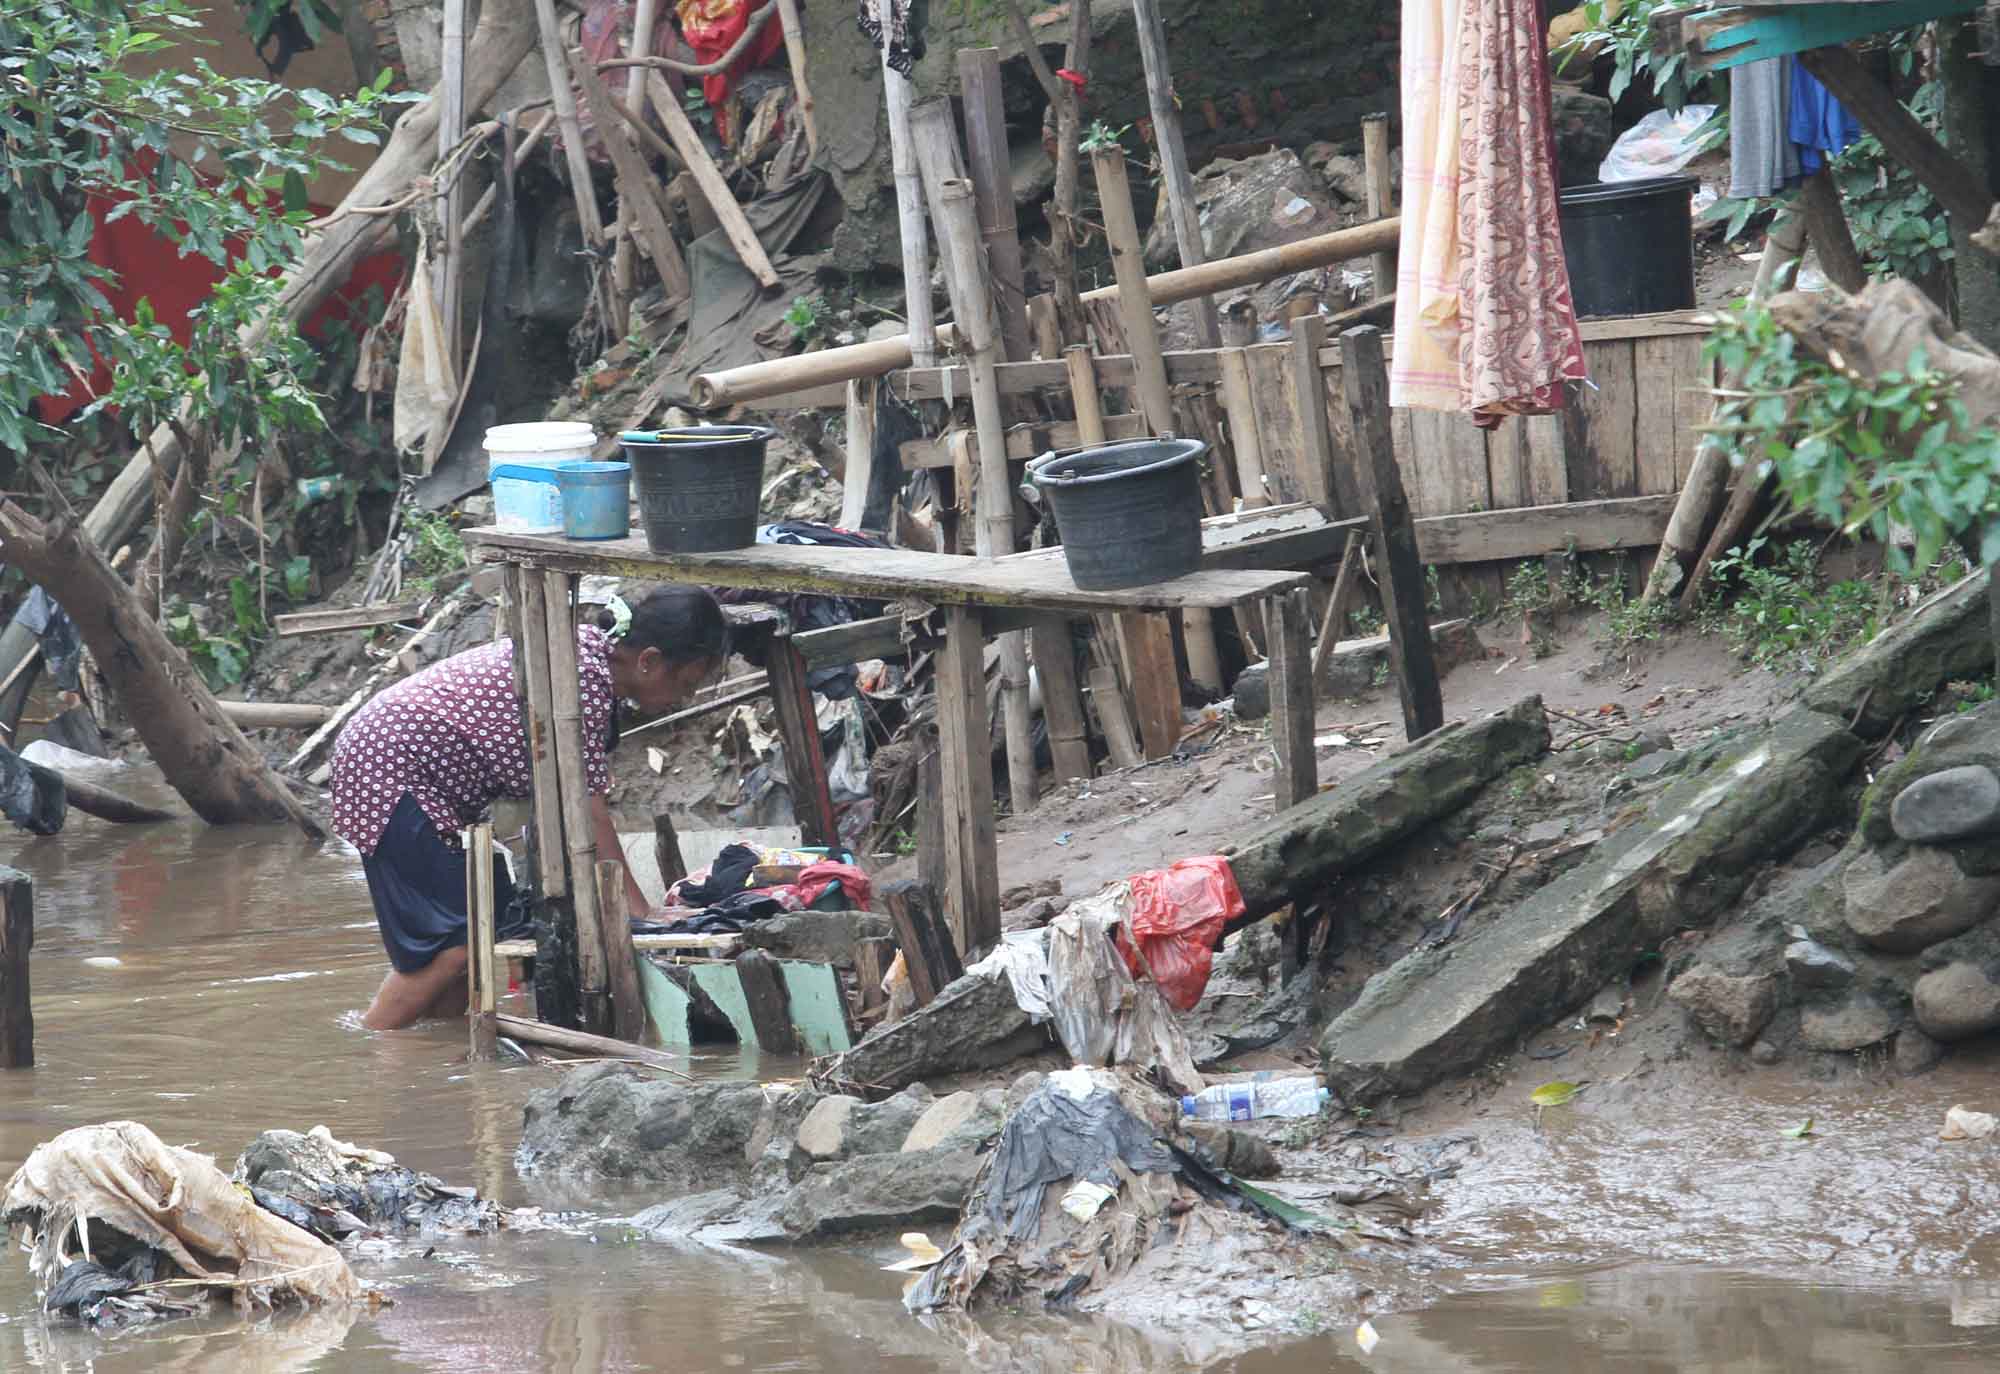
[1177,915]
[31,796]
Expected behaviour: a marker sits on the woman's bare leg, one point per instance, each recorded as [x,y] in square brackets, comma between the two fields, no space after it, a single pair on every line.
[437,989]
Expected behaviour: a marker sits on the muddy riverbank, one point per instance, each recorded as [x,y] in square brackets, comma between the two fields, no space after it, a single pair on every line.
[1662,1220]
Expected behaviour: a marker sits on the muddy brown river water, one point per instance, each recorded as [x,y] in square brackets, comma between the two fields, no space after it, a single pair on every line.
[206,983]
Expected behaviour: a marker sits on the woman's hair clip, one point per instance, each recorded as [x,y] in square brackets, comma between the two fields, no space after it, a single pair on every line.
[621,617]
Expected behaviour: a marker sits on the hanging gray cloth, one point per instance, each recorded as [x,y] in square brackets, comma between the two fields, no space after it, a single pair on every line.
[1762,158]
[907,21]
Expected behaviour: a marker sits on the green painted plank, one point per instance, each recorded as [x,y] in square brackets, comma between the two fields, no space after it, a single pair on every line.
[666,1005]
[719,981]
[819,1012]
[1758,32]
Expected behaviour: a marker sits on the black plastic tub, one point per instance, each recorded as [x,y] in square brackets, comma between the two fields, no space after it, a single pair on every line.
[1630,245]
[1129,513]
[698,486]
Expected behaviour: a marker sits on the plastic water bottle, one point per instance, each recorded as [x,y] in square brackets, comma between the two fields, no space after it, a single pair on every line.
[1260,1097]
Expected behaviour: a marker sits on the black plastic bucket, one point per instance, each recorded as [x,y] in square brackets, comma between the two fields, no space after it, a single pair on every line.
[1630,245]
[1129,513]
[698,486]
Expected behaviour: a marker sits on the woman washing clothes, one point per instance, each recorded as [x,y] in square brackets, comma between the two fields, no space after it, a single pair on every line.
[430,755]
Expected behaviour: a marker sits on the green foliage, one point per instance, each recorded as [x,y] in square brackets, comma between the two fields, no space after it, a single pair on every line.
[809,318]
[1101,135]
[1626,622]
[213,163]
[1626,34]
[1899,228]
[436,550]
[221,652]
[1864,455]
[1365,621]
[1785,617]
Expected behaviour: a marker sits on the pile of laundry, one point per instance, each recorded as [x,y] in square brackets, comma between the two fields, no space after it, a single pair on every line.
[747,884]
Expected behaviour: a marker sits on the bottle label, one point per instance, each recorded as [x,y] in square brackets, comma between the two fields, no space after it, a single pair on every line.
[1242,1101]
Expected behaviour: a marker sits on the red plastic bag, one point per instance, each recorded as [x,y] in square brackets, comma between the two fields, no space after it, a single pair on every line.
[1177,915]
[815,879]
[711,28]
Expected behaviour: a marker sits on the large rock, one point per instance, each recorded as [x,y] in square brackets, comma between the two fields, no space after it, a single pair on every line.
[1957,1001]
[840,1126]
[1730,1007]
[1446,1010]
[1247,204]
[1947,806]
[1853,1023]
[1949,636]
[1813,965]
[609,1121]
[1923,899]
[1234,1149]
[1295,852]
[959,1121]
[818,937]
[974,1023]
[879,1192]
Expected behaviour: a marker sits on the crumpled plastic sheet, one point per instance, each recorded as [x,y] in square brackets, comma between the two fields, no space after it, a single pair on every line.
[1101,1013]
[31,796]
[1022,958]
[1057,1137]
[76,1190]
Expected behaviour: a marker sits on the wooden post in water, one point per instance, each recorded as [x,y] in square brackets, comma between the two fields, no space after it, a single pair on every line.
[579,838]
[481,1006]
[17,937]
[621,960]
[798,728]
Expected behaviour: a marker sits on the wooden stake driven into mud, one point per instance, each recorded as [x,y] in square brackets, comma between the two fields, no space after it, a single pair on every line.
[480,967]
[17,938]
[621,959]
[566,727]
[1365,377]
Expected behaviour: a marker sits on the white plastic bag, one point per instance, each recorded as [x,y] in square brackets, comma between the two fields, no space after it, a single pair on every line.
[426,378]
[1658,145]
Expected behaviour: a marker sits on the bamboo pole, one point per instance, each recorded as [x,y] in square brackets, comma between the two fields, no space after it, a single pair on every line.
[451,128]
[579,841]
[688,146]
[1174,169]
[795,53]
[589,222]
[859,474]
[897,94]
[1708,473]
[275,715]
[476,216]
[776,376]
[621,960]
[1375,164]
[532,651]
[582,1042]
[479,962]
[1246,441]
[1135,300]
[993,532]
[993,188]
[644,217]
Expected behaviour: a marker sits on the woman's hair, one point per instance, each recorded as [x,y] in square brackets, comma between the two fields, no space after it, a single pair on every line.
[683,623]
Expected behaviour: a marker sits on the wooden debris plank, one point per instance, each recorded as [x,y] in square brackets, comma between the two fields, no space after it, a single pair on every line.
[1664,418]
[638,189]
[1287,630]
[965,767]
[17,939]
[805,764]
[1062,699]
[880,574]
[1148,644]
[1023,441]
[687,142]
[1600,427]
[770,1005]
[357,618]
[1271,371]
[929,957]
[1306,390]
[1633,522]
[531,1032]
[1715,40]
[719,946]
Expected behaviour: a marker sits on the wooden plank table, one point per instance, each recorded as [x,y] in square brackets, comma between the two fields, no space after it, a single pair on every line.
[962,588]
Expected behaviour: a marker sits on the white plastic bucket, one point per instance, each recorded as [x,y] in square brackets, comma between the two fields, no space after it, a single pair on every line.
[528,505]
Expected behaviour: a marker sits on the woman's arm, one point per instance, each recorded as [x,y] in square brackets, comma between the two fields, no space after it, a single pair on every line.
[608,847]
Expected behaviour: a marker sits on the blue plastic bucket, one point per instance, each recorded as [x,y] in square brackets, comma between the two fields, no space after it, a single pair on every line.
[525,498]
[596,500]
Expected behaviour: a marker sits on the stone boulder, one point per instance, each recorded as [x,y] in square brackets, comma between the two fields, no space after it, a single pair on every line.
[610,1121]
[1916,1052]
[1947,805]
[1851,1023]
[1234,1149]
[1957,1001]
[818,937]
[1730,1007]
[1248,204]
[1813,965]
[959,1121]
[840,1126]
[879,1192]
[1923,898]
